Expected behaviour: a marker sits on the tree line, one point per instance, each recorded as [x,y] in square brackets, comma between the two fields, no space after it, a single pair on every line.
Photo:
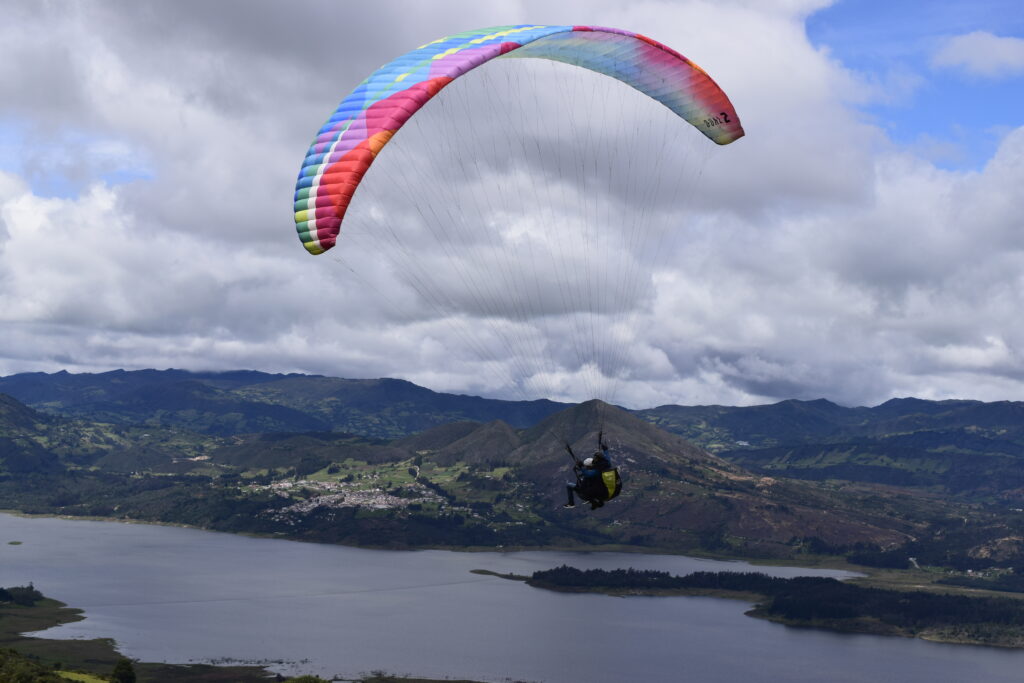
[807,598]
[20,595]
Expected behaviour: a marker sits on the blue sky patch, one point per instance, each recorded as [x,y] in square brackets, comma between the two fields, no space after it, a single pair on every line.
[952,117]
[63,163]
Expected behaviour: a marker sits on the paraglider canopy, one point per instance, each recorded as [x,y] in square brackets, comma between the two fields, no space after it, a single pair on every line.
[365,121]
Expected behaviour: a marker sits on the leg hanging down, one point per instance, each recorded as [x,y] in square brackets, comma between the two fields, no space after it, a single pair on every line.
[570,489]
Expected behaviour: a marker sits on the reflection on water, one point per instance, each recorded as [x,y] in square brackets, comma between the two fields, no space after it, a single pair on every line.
[180,595]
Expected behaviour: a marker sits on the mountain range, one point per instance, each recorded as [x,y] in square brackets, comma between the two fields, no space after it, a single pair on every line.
[223,403]
[957,445]
[385,462]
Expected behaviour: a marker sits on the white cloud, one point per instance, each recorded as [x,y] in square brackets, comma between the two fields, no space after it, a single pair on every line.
[981,53]
[811,258]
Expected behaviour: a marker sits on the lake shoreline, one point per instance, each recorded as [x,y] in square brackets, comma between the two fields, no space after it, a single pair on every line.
[863,626]
[810,562]
[98,656]
[165,577]
[870,628]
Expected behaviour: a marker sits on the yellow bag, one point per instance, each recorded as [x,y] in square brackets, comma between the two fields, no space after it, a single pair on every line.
[612,482]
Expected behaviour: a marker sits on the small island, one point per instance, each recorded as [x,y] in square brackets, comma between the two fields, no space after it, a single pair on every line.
[814,602]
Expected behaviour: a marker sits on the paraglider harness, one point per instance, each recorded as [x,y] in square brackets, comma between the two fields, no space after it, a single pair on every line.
[600,488]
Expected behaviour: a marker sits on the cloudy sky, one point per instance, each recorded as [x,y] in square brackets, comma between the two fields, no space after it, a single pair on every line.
[864,241]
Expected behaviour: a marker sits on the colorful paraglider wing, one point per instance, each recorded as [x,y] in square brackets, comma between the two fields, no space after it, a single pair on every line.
[347,144]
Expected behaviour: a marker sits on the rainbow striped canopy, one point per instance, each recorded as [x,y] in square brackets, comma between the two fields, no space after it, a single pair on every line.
[347,144]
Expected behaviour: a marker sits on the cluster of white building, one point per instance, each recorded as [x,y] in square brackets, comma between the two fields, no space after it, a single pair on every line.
[337,494]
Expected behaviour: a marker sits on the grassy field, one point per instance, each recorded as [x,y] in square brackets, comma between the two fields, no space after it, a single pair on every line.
[83,678]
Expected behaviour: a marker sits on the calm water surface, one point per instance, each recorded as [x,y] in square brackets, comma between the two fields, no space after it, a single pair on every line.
[180,595]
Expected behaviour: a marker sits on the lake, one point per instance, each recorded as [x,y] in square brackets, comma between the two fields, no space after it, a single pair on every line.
[183,595]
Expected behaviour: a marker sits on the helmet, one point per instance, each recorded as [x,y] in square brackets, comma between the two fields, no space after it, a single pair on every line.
[588,462]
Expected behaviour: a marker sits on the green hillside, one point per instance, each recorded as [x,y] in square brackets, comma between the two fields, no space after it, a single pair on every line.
[462,484]
[937,481]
